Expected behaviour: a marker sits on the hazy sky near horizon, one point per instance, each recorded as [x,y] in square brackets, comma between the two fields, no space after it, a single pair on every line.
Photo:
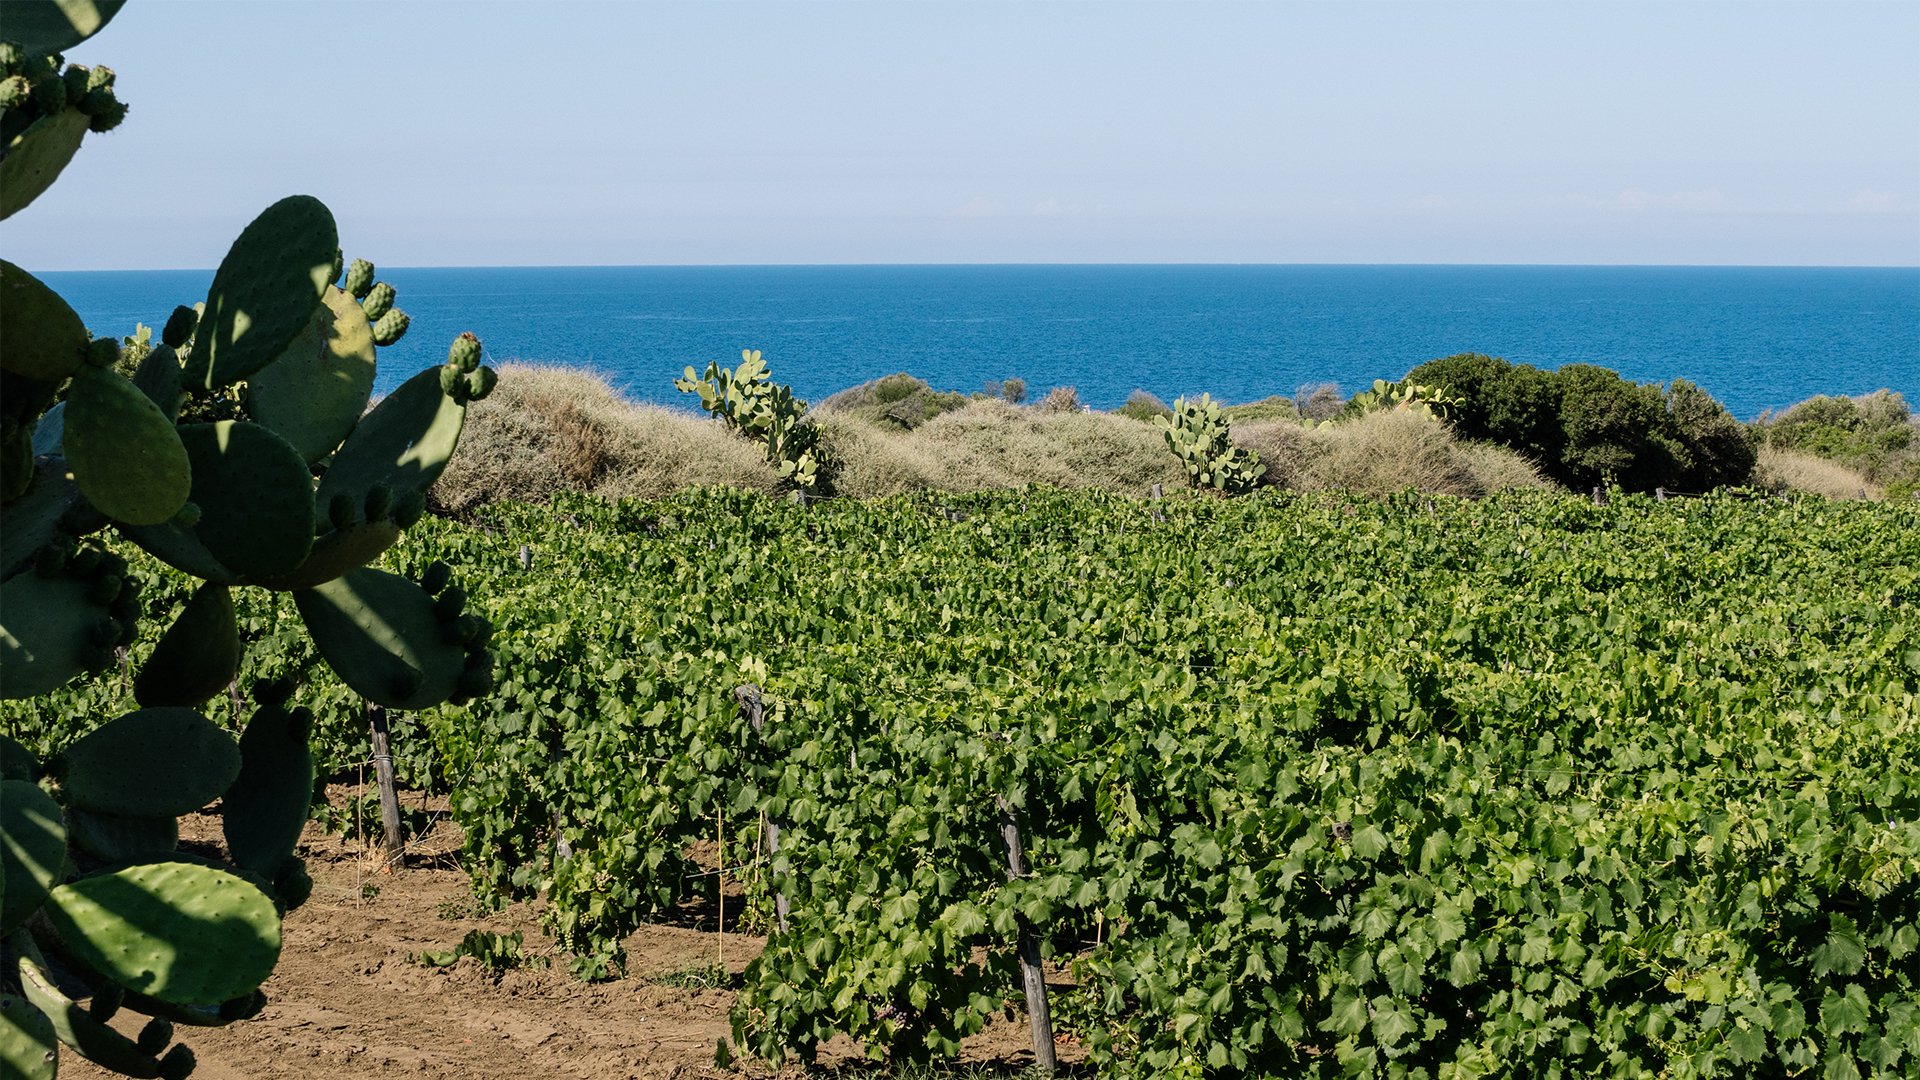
[571,133]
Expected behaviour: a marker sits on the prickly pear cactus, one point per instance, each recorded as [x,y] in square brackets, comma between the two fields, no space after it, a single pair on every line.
[1197,434]
[1402,396]
[239,450]
[747,400]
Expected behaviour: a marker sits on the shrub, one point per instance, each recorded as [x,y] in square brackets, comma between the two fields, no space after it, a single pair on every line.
[1282,446]
[899,401]
[1275,407]
[1014,391]
[1515,405]
[1617,432]
[546,430]
[1794,470]
[1319,401]
[1874,434]
[1719,450]
[1143,406]
[1060,399]
[1384,452]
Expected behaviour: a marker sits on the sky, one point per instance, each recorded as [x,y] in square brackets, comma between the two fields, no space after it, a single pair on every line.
[915,131]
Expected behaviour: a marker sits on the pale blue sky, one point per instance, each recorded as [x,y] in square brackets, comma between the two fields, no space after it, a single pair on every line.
[566,133]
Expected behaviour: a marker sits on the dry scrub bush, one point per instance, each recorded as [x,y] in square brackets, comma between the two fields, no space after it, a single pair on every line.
[1060,399]
[992,445]
[869,462]
[1794,470]
[547,429]
[1283,446]
[1396,449]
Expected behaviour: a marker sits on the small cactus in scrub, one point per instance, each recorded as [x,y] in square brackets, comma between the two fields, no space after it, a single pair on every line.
[1197,433]
[238,450]
[747,400]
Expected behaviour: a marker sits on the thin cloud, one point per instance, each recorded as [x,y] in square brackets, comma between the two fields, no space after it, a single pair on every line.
[977,207]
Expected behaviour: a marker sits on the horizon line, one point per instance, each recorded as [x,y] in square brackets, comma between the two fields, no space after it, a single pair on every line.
[1058,265]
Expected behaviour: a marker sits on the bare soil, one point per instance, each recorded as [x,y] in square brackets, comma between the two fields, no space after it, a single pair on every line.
[348,1001]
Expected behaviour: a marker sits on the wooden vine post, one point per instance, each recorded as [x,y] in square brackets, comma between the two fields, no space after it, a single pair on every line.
[1031,976]
[393,837]
[754,711]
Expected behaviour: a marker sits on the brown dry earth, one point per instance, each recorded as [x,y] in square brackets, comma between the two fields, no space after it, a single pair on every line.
[348,1002]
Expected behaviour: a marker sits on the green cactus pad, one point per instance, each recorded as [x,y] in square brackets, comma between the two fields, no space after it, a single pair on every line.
[33,849]
[124,452]
[158,377]
[380,634]
[115,839]
[32,521]
[28,1047]
[404,443]
[263,812]
[74,1026]
[197,656]
[255,497]
[179,932]
[152,763]
[313,395]
[335,553]
[35,157]
[45,341]
[180,548]
[264,293]
[16,761]
[46,633]
[54,26]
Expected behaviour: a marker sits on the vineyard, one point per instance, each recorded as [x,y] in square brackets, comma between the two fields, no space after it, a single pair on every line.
[1307,786]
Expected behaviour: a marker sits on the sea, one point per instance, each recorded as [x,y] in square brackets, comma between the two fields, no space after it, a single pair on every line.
[1756,338]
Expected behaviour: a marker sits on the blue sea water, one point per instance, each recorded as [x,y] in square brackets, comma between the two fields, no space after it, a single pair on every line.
[1756,338]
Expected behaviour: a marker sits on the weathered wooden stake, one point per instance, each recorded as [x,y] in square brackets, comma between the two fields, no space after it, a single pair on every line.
[1159,492]
[1031,975]
[1659,494]
[1599,495]
[392,831]
[747,697]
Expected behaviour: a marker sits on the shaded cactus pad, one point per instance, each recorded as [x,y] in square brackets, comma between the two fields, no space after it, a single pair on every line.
[315,392]
[33,850]
[123,449]
[264,292]
[151,763]
[178,932]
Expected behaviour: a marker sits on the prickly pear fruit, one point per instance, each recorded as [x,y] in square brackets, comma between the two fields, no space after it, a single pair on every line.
[13,91]
[155,1036]
[340,511]
[292,884]
[453,382]
[180,327]
[379,501]
[379,301]
[264,810]
[380,634]
[407,508]
[435,577]
[33,850]
[103,113]
[480,383]
[464,353]
[391,328]
[197,656]
[45,339]
[179,932]
[264,292]
[160,762]
[125,453]
[359,279]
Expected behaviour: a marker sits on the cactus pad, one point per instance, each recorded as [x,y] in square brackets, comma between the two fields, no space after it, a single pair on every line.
[317,390]
[404,443]
[35,157]
[179,932]
[380,634]
[255,498]
[16,761]
[53,26]
[124,452]
[32,521]
[45,340]
[264,293]
[336,552]
[197,656]
[28,1047]
[115,839]
[263,812]
[33,850]
[158,377]
[74,1026]
[48,628]
[152,763]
